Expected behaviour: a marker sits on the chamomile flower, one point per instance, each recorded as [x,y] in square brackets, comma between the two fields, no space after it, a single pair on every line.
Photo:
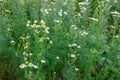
[35,21]
[70,45]
[76,69]
[57,57]
[78,47]
[60,13]
[28,21]
[72,55]
[12,42]
[32,65]
[51,42]
[46,31]
[65,12]
[74,44]
[22,66]
[43,22]
[43,61]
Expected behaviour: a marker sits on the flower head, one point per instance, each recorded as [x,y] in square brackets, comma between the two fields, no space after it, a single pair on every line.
[32,65]
[22,66]
[72,55]
[43,61]
[43,23]
[35,21]
[12,42]
[76,69]
[57,57]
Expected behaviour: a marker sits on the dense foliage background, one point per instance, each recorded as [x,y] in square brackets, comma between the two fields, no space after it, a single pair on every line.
[59,39]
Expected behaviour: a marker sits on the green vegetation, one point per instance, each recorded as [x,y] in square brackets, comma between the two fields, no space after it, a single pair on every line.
[59,40]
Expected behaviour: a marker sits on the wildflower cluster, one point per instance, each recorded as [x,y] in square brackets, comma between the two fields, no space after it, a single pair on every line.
[83,6]
[41,31]
[74,45]
[24,65]
[83,32]
[41,25]
[60,39]
[40,34]
[115,13]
